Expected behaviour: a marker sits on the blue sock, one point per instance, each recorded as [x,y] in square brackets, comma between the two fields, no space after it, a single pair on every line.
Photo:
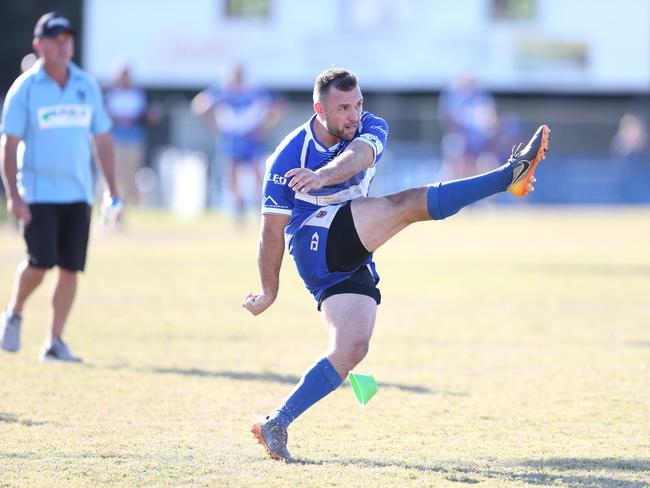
[318,381]
[446,198]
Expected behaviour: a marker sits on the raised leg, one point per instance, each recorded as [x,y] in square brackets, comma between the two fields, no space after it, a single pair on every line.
[377,219]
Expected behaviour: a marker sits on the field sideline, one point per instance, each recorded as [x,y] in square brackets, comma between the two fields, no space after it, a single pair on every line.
[512,348]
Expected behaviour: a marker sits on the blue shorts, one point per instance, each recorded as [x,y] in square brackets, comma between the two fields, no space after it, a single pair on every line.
[322,258]
[242,150]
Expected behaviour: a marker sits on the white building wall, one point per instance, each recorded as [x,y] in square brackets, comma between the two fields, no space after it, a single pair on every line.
[569,45]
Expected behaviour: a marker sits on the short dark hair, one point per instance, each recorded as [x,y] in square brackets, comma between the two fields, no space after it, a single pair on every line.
[338,78]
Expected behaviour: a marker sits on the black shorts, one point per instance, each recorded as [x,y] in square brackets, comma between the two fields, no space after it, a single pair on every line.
[57,235]
[345,252]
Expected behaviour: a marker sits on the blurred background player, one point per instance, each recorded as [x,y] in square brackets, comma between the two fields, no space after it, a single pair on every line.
[128,107]
[52,110]
[242,116]
[468,119]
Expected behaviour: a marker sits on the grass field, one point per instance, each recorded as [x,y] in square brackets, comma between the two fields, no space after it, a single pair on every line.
[512,349]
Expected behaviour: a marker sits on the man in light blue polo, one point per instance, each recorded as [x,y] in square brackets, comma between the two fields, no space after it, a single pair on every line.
[50,115]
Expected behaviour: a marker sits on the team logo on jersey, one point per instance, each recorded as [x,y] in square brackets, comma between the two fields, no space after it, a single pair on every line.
[321,214]
[58,116]
[81,95]
[277,179]
[314,242]
[270,200]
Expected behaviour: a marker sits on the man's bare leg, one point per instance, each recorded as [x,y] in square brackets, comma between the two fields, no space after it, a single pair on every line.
[27,280]
[377,219]
[350,319]
[63,294]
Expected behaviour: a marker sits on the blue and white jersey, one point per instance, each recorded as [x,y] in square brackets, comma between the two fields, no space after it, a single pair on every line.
[301,149]
[311,213]
[55,125]
[240,115]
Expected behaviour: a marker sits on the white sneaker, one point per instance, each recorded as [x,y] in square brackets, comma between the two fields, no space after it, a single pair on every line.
[10,331]
[57,350]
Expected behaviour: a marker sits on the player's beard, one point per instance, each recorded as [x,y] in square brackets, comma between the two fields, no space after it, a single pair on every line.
[340,133]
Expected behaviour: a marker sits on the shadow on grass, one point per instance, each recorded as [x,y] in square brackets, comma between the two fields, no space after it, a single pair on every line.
[545,472]
[612,464]
[8,418]
[268,376]
[84,456]
[265,376]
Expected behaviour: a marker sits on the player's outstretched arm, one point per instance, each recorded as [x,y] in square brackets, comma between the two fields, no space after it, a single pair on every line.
[269,259]
[356,157]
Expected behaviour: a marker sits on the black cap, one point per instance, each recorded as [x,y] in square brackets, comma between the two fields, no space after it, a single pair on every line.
[52,24]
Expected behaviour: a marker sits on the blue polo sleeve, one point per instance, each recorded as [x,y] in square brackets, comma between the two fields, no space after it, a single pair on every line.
[14,110]
[101,121]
